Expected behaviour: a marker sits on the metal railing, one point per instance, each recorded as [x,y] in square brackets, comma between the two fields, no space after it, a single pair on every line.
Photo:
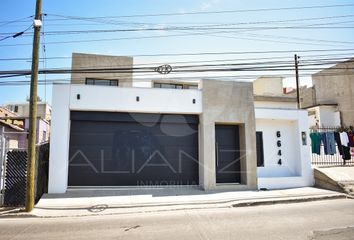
[325,159]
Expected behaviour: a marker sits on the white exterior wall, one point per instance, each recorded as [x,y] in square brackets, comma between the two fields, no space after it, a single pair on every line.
[295,170]
[152,100]
[329,117]
[59,140]
[312,120]
[325,116]
[108,99]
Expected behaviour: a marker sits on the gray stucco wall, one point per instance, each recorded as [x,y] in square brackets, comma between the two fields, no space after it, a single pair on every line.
[336,85]
[227,102]
[82,61]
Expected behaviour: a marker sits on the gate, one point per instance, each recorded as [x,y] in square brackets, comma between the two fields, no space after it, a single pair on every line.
[14,192]
[15,178]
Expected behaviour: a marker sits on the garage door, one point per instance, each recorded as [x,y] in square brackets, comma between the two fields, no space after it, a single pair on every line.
[122,149]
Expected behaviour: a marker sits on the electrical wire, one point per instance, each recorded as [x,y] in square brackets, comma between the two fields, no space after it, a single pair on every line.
[185,68]
[4,23]
[197,27]
[194,78]
[316,56]
[209,12]
[15,35]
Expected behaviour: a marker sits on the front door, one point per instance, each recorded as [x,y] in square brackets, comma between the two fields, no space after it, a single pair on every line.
[227,149]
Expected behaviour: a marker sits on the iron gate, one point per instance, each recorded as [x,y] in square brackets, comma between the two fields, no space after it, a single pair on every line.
[16,173]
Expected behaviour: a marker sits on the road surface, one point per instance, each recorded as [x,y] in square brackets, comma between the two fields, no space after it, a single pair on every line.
[319,220]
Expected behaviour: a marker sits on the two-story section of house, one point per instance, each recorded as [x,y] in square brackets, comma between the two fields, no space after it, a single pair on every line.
[102,70]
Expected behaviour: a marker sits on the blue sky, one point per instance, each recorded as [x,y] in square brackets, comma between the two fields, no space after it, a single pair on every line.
[260,40]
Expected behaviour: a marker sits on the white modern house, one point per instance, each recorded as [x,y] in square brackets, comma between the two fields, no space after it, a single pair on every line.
[212,134]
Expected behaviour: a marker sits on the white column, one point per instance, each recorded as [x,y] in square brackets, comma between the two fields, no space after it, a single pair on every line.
[59,141]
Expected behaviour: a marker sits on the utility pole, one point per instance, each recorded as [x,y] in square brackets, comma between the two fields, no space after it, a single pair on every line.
[31,164]
[297,80]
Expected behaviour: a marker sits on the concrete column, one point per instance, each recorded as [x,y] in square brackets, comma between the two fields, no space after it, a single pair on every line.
[227,102]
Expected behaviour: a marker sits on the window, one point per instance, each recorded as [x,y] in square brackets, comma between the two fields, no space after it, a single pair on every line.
[101,82]
[16,108]
[260,153]
[44,136]
[175,85]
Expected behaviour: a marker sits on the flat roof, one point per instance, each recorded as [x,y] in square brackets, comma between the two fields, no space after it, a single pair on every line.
[322,104]
[264,98]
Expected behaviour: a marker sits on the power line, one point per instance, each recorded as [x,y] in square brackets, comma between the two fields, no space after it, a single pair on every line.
[343,56]
[193,27]
[279,21]
[348,53]
[197,28]
[186,68]
[142,37]
[15,35]
[207,12]
[3,23]
[193,78]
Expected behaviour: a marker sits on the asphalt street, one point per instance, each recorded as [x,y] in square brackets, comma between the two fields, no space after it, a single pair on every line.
[319,220]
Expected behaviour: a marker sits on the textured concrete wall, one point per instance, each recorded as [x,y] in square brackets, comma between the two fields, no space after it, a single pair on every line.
[270,86]
[307,97]
[87,61]
[226,102]
[336,85]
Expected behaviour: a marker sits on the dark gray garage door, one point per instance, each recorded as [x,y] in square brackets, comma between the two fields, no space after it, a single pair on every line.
[122,149]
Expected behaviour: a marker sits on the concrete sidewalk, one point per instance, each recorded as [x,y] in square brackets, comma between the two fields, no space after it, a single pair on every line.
[86,202]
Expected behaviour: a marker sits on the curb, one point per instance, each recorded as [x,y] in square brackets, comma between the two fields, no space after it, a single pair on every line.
[191,206]
[293,200]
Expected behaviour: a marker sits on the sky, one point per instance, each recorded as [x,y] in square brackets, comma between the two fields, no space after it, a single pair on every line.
[267,31]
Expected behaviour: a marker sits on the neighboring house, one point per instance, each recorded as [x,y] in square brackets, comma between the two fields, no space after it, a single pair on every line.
[336,85]
[268,86]
[9,139]
[307,96]
[176,134]
[4,112]
[324,115]
[16,114]
[42,130]
[10,134]
[332,90]
[44,110]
